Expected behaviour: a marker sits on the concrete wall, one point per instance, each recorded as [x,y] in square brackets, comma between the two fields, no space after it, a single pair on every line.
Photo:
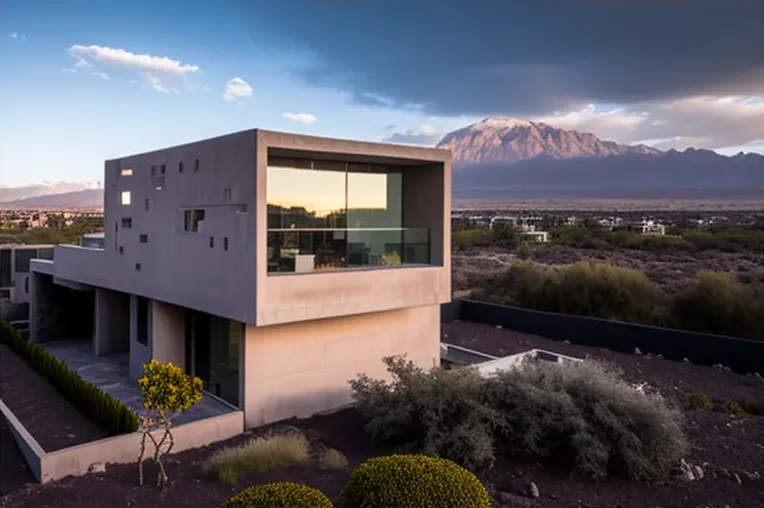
[112,322]
[44,312]
[285,298]
[168,333]
[139,353]
[299,369]
[192,269]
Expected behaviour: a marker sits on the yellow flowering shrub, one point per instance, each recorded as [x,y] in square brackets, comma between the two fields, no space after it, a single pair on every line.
[280,494]
[167,391]
[165,387]
[413,481]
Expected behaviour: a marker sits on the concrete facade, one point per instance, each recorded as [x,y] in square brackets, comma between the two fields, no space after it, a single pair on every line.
[304,334]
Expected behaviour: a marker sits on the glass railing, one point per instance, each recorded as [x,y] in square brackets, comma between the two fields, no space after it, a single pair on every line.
[320,250]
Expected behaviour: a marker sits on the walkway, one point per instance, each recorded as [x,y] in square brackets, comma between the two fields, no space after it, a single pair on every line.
[110,374]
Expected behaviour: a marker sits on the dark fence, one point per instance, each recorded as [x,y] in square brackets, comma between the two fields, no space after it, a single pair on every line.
[740,355]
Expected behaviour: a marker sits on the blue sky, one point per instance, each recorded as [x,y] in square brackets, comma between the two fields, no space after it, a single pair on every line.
[154,74]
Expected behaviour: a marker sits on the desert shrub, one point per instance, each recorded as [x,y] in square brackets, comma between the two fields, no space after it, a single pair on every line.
[413,481]
[584,415]
[279,495]
[329,458]
[440,412]
[716,303]
[606,291]
[699,400]
[472,238]
[108,413]
[753,407]
[523,285]
[734,408]
[259,455]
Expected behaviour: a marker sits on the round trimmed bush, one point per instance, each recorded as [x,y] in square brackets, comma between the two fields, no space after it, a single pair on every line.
[413,481]
[279,495]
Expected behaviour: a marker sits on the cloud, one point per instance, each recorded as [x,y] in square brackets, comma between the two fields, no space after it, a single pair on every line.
[68,69]
[16,35]
[701,121]
[87,55]
[303,118]
[154,82]
[486,58]
[235,89]
[102,75]
[425,134]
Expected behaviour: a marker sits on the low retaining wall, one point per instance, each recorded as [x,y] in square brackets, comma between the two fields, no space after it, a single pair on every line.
[30,448]
[741,355]
[77,460]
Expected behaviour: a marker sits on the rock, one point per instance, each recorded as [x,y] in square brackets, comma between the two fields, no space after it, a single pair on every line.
[97,467]
[757,375]
[699,473]
[533,490]
[659,356]
[637,351]
[566,342]
[737,478]
[686,360]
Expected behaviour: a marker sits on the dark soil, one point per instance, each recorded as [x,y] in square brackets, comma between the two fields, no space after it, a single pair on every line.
[53,422]
[726,442]
[14,472]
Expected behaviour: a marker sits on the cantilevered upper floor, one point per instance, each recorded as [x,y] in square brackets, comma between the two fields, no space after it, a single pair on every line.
[265,227]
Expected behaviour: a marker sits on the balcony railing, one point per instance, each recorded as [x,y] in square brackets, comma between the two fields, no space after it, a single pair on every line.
[320,250]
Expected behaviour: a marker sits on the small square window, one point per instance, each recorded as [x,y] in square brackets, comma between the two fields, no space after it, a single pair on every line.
[225,243]
[127,223]
[146,204]
[161,169]
[212,242]
[121,250]
[227,195]
[125,197]
[196,165]
[144,238]
[180,167]
[138,266]
[192,219]
[127,172]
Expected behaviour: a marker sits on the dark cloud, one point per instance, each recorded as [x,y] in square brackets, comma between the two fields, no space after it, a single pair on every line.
[519,57]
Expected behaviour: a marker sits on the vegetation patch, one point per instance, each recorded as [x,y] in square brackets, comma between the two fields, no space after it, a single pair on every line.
[581,415]
[259,455]
[699,401]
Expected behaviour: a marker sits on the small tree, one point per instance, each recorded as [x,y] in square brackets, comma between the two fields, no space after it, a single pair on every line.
[167,391]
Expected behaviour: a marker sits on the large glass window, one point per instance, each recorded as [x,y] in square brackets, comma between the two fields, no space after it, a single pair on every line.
[328,215]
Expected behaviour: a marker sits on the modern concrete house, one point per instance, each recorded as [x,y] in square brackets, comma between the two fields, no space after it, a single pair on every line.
[274,266]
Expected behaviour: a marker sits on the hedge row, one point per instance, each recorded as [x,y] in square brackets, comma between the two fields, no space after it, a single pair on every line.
[400,481]
[108,413]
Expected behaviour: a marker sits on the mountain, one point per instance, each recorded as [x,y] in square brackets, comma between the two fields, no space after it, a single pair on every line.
[504,158]
[88,198]
[501,139]
[15,193]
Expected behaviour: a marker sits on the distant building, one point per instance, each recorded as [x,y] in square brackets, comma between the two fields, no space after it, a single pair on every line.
[649,227]
[530,231]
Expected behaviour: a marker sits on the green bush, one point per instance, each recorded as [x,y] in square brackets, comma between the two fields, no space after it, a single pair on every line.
[734,408]
[753,407]
[606,291]
[586,289]
[717,303]
[279,495]
[586,416]
[413,481]
[110,414]
[439,413]
[699,400]
[583,415]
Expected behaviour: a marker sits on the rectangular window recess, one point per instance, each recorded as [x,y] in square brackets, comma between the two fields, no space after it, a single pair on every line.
[126,172]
